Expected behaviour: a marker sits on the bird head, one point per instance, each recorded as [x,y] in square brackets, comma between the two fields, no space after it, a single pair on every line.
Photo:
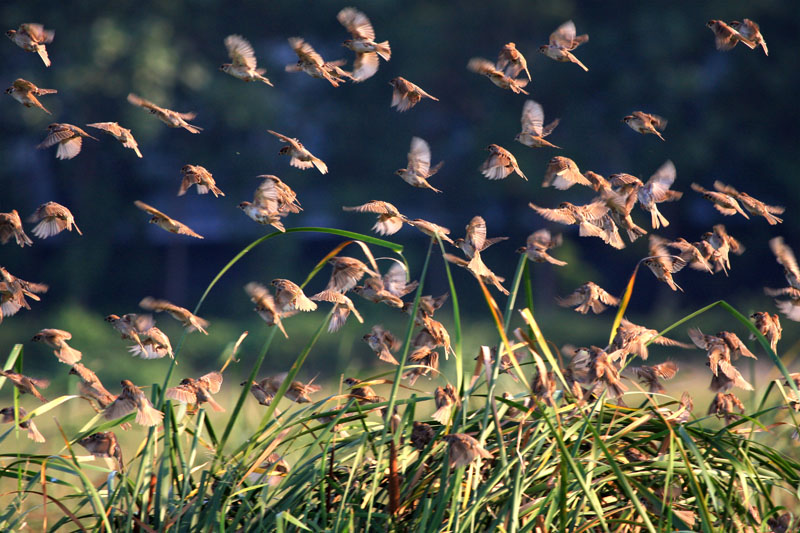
[10,90]
[225,67]
[285,150]
[37,337]
[543,48]
[352,382]
[245,205]
[347,42]
[11,33]
[627,119]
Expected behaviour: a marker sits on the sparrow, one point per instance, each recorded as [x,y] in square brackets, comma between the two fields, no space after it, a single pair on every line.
[390,220]
[428,305]
[347,271]
[362,392]
[121,134]
[723,244]
[588,296]
[751,32]
[475,240]
[478,269]
[406,95]
[289,296]
[726,37]
[425,360]
[271,471]
[310,62]
[297,392]
[694,254]
[276,196]
[300,157]
[484,67]
[430,229]
[131,326]
[620,203]
[243,61]
[603,372]
[611,234]
[662,264]
[735,345]
[657,190]
[785,257]
[188,319]
[543,388]
[266,307]
[650,375]
[723,405]
[342,308]
[198,391]
[435,333]
[383,343]
[261,395]
[52,219]
[91,388]
[7,414]
[173,119]
[57,339]
[768,325]
[419,165]
[132,398]
[533,129]
[512,62]
[68,137]
[363,43]
[24,384]
[464,449]
[724,203]
[500,164]
[388,289]
[32,38]
[585,216]
[197,175]
[14,290]
[11,226]
[104,444]
[632,338]
[445,398]
[646,123]
[755,207]
[155,345]
[537,245]
[562,42]
[421,435]
[717,351]
[562,173]
[26,92]
[165,222]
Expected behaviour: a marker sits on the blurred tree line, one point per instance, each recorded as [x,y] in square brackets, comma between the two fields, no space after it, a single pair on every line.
[732,116]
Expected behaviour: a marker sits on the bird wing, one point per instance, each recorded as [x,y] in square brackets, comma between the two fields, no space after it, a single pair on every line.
[532,118]
[564,36]
[305,51]
[365,66]
[240,51]
[292,141]
[150,209]
[476,233]
[356,23]
[141,102]
[374,206]
[419,158]
[561,215]
[212,380]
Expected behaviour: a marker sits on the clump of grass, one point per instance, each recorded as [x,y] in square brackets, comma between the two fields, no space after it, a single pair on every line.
[551,458]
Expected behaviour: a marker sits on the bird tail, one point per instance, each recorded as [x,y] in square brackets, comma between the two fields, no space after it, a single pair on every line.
[634,232]
[42,51]
[657,219]
[386,355]
[147,415]
[442,414]
[772,219]
[68,355]
[320,164]
[33,433]
[384,50]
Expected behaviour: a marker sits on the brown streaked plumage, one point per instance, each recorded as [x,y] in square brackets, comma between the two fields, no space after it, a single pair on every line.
[198,175]
[406,95]
[300,157]
[724,203]
[289,296]
[430,229]
[243,61]
[297,391]
[121,134]
[346,273]
[445,399]
[104,444]
[164,222]
[310,62]
[133,399]
[342,307]
[735,345]
[768,325]
[562,173]
[68,137]
[262,396]
[657,190]
[484,67]
[266,307]
[390,220]
[725,37]
[632,338]
[651,375]
[478,269]
[722,244]
[662,264]
[537,245]
[724,406]
[25,384]
[7,417]
[382,342]
[155,345]
[533,129]
[131,326]
[692,253]
[198,391]
[26,92]
[32,37]
[588,296]
[645,123]
[419,165]
[14,291]
[512,62]
[426,359]
[586,217]
[188,319]
[173,119]
[363,43]
[57,339]
[500,164]
[562,41]
[92,389]
[751,33]
[421,435]
[52,219]
[755,207]
[464,449]
[11,226]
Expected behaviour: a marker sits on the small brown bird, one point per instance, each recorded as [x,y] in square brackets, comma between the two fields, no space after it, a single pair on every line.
[266,307]
[724,203]
[484,67]
[383,343]
[751,204]
[603,373]
[261,395]
[478,269]
[537,245]
[464,449]
[562,42]
[650,375]
[533,129]
[26,92]
[475,241]
[430,229]
[419,165]
[717,351]
[390,220]
[132,398]
[646,123]
[104,444]
[388,289]
[11,226]
[14,290]
[272,201]
[197,175]
[310,62]
[406,95]
[289,296]
[722,244]
[243,61]
[785,257]
[173,119]
[92,389]
[512,62]
[7,417]
[726,37]
[24,384]
[694,254]
[425,360]
[32,37]
[445,399]
[735,345]
[562,173]
[165,222]
[362,392]
[121,134]
[300,157]
[363,43]
[500,164]
[656,191]
[52,219]
[585,216]
[342,307]
[724,406]
[662,263]
[347,271]
[588,296]
[632,338]
[69,139]
[751,33]
[131,326]
[155,345]
[297,391]
[57,339]
[198,391]
[768,325]
[421,435]
[188,319]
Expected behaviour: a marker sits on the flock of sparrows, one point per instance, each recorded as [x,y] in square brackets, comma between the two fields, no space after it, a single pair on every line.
[591,370]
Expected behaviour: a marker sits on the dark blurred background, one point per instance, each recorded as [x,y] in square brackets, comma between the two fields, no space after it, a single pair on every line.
[732,116]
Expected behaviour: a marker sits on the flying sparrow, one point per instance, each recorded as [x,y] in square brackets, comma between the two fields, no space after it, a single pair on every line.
[289,296]
[310,62]
[7,417]
[769,326]
[588,296]
[243,61]
[755,207]
[390,220]
[363,43]
[751,32]
[512,62]
[342,307]
[297,391]
[26,92]
[165,222]
[585,216]
[69,139]
[188,319]
[32,37]
[300,157]
[173,119]
[406,95]
[198,391]
[650,375]
[500,164]
[537,245]
[430,229]
[382,342]
[533,129]
[266,307]
[121,134]
[57,339]
[25,384]
[11,226]
[52,219]
[562,173]
[132,398]
[104,444]
[562,42]
[662,263]
[724,203]
[484,67]
[726,37]
[445,399]
[197,175]
[419,165]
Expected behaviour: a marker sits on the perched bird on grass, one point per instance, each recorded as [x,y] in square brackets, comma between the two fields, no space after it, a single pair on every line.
[11,226]
[464,449]
[300,157]
[121,134]
[173,119]
[7,417]
[562,42]
[133,399]
[52,219]
[104,444]
[588,296]
[243,61]
[500,164]
[533,129]
[32,37]
[69,139]
[26,92]
[164,222]
[363,43]
[189,320]
[25,384]
[198,175]
[419,165]
[198,391]
[406,95]
[57,339]
[645,123]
